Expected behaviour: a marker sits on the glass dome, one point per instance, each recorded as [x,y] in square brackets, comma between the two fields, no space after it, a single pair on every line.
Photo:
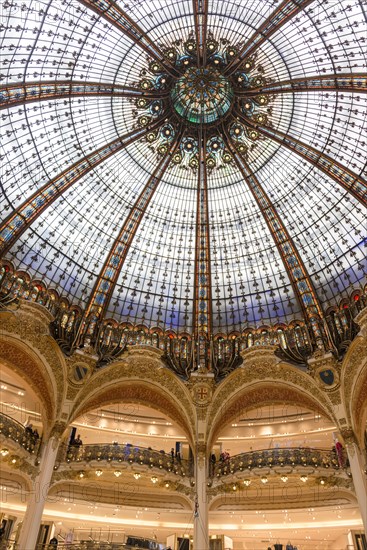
[245,209]
[202,95]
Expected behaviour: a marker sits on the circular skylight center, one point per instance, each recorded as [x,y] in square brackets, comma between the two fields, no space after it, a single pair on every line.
[202,95]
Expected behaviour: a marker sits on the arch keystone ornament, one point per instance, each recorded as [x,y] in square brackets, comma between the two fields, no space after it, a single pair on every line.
[325,370]
[201,388]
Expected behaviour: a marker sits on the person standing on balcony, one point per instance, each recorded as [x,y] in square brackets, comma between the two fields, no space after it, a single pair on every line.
[213,460]
[339,453]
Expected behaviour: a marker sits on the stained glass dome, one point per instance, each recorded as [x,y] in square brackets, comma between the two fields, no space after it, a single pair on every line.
[202,95]
[196,166]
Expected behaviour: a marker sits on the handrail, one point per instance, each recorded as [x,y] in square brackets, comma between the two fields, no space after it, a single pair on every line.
[291,456]
[16,432]
[87,545]
[115,453]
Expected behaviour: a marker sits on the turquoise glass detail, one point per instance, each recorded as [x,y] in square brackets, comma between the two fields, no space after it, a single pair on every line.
[202,96]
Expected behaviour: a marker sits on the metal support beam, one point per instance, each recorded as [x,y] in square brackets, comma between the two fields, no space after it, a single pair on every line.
[109,10]
[101,295]
[280,16]
[202,322]
[294,266]
[351,182]
[26,92]
[200,8]
[350,82]
[20,220]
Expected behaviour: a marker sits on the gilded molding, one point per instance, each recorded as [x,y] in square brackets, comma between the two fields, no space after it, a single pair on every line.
[264,378]
[355,362]
[144,368]
[27,367]
[348,436]
[30,325]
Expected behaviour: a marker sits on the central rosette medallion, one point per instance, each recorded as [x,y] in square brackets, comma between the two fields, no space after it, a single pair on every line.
[202,95]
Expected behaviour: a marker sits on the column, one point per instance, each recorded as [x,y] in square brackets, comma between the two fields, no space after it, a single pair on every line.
[357,467]
[201,525]
[37,498]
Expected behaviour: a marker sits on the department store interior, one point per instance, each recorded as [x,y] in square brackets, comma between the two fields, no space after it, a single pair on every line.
[183,297]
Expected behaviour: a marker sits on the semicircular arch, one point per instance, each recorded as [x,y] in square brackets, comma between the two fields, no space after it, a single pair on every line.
[143,381]
[261,384]
[21,359]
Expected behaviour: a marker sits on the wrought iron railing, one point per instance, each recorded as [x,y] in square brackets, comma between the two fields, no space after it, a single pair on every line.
[117,454]
[317,458]
[87,545]
[12,429]
[294,342]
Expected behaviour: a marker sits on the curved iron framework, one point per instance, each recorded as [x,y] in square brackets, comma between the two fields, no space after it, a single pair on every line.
[226,244]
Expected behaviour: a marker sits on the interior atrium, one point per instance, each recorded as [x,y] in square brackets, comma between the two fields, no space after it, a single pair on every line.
[183,295]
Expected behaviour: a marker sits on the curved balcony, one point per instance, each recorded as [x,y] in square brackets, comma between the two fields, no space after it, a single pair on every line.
[294,342]
[316,458]
[128,454]
[15,431]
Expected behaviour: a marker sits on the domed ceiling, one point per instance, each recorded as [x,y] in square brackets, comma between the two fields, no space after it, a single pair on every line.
[193,165]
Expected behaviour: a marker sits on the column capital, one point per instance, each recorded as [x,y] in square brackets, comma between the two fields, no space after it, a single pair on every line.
[348,436]
[57,429]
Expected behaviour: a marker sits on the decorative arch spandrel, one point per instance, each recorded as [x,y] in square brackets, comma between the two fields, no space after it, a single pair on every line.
[22,360]
[354,379]
[139,377]
[29,327]
[262,380]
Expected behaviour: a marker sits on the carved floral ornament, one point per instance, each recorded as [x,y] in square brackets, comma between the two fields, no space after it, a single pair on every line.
[144,365]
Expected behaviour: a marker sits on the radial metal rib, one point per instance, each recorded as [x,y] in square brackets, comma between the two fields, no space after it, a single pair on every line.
[346,82]
[200,8]
[101,295]
[20,220]
[280,16]
[294,266]
[109,10]
[351,182]
[18,94]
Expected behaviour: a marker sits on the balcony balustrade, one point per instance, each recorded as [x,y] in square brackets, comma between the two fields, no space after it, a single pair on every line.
[293,342]
[316,458]
[15,431]
[128,454]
